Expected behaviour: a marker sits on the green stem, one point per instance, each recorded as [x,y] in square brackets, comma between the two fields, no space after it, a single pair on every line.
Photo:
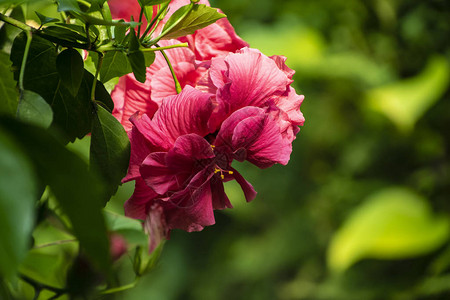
[24,59]
[85,3]
[121,288]
[94,84]
[140,21]
[156,19]
[177,83]
[167,30]
[15,23]
[60,242]
[87,36]
[22,68]
[182,45]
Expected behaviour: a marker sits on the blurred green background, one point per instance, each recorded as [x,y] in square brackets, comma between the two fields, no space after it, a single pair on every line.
[362,209]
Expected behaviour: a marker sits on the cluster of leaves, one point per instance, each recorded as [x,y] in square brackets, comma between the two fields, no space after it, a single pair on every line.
[49,98]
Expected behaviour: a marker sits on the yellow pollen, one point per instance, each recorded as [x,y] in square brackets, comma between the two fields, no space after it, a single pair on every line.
[222,176]
[212,146]
[216,171]
[230,172]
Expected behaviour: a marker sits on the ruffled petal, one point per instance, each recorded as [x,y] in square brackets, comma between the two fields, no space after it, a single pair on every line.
[253,79]
[145,138]
[187,112]
[191,209]
[247,188]
[215,40]
[280,60]
[254,134]
[143,196]
[131,96]
[171,171]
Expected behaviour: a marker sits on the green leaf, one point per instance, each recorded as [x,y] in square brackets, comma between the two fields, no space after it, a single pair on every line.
[18,191]
[64,33]
[8,90]
[72,115]
[79,191]
[136,58]
[70,66]
[68,5]
[130,229]
[120,32]
[110,149]
[151,2]
[199,17]
[9,32]
[34,109]
[149,58]
[405,102]
[44,19]
[50,268]
[394,223]
[101,94]
[115,64]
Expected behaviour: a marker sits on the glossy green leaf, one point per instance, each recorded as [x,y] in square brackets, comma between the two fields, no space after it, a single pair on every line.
[72,115]
[70,66]
[136,58]
[79,191]
[68,5]
[394,223]
[405,102]
[120,33]
[45,20]
[115,64]
[64,33]
[199,17]
[8,90]
[18,191]
[34,109]
[110,149]
[149,58]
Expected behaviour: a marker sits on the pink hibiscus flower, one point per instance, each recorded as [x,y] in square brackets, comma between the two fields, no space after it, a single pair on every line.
[180,162]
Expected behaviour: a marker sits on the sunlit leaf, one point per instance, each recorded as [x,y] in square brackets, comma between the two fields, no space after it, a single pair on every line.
[405,102]
[44,19]
[115,64]
[18,191]
[68,5]
[199,17]
[34,109]
[394,223]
